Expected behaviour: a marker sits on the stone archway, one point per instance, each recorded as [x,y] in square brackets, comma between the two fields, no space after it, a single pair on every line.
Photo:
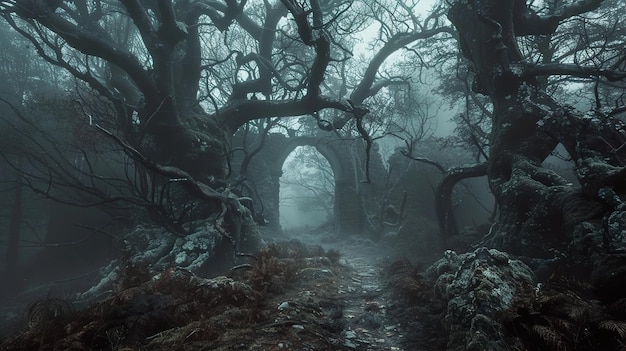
[347,207]
[266,170]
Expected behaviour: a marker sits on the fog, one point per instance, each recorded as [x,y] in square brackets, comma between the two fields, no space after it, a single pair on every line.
[145,203]
[291,216]
[299,206]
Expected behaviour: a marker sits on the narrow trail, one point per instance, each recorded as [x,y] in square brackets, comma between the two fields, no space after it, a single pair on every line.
[367,297]
[295,296]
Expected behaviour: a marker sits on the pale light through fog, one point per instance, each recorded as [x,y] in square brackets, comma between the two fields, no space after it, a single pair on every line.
[291,216]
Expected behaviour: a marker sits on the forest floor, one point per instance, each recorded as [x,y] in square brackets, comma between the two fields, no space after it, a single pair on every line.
[304,294]
[362,287]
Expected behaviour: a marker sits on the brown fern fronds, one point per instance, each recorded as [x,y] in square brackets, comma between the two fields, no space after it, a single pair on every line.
[579,314]
[554,304]
[549,337]
[564,326]
[407,281]
[617,327]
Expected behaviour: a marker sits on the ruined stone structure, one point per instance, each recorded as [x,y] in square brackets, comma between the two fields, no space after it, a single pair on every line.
[346,158]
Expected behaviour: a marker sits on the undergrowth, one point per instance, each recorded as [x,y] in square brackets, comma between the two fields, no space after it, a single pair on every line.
[564,315]
[407,281]
[174,309]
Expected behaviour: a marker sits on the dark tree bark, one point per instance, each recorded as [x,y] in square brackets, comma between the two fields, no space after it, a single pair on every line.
[174,130]
[159,122]
[15,228]
[539,210]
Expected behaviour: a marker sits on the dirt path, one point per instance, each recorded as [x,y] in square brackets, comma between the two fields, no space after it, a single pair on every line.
[363,292]
[293,297]
[366,298]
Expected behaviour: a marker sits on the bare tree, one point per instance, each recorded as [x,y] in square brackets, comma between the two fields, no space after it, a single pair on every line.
[180,77]
[536,205]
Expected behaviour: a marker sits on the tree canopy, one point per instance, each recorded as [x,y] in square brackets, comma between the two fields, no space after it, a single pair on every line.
[170,82]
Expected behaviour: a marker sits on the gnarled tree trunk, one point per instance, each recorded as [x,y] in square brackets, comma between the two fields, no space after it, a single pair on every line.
[539,210]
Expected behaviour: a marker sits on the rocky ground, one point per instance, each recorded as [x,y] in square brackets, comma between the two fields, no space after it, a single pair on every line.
[312,291]
[288,296]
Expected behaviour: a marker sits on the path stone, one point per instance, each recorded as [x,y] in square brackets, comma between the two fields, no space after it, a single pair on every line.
[366,297]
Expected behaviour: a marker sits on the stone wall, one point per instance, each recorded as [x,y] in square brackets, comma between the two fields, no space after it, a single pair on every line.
[346,158]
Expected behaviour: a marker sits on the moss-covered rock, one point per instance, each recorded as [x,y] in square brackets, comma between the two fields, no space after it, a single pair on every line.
[477,286]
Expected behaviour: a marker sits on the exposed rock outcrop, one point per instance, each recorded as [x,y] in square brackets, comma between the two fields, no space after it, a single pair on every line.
[477,286]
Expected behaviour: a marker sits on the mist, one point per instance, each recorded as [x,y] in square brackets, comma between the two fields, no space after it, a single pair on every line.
[312,175]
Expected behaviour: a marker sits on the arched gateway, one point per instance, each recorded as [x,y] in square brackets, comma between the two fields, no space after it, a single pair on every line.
[345,159]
